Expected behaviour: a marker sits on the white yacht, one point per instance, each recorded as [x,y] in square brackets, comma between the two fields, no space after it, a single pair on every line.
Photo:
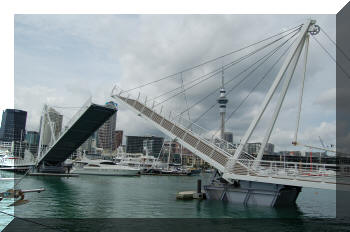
[10,162]
[103,167]
[144,162]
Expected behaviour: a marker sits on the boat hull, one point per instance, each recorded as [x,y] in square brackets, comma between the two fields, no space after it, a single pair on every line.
[106,172]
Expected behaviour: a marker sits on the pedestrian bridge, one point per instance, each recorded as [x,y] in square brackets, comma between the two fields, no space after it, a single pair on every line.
[215,151]
[85,122]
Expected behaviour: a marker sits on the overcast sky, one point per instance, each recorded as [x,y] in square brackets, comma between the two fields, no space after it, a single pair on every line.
[61,60]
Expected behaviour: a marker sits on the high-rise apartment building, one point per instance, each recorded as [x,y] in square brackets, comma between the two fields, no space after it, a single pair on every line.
[118,138]
[136,144]
[13,125]
[253,148]
[32,141]
[54,121]
[106,133]
[32,137]
[228,136]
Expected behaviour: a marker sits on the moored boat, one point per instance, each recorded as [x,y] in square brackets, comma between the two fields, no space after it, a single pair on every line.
[103,167]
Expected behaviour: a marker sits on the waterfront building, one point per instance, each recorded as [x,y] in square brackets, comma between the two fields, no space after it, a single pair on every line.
[228,136]
[253,148]
[106,133]
[118,138]
[32,137]
[32,141]
[291,153]
[13,125]
[87,146]
[53,119]
[15,147]
[136,144]
[187,159]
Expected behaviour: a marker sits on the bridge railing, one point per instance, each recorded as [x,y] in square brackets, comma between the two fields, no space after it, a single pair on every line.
[179,119]
[77,115]
[295,170]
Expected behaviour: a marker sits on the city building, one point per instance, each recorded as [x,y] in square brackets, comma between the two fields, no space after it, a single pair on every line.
[180,154]
[53,119]
[136,144]
[106,133]
[13,125]
[253,148]
[32,141]
[118,138]
[290,153]
[301,154]
[228,136]
[32,137]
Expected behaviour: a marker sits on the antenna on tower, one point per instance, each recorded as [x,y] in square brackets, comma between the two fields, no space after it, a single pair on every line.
[222,77]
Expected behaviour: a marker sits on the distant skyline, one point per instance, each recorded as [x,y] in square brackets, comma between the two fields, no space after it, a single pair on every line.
[64,59]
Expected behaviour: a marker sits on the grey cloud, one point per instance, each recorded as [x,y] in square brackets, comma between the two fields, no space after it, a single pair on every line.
[148,47]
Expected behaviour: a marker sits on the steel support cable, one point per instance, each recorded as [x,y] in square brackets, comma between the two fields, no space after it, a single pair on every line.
[341,50]
[229,65]
[269,54]
[301,89]
[256,85]
[266,58]
[212,60]
[330,55]
[182,85]
[167,99]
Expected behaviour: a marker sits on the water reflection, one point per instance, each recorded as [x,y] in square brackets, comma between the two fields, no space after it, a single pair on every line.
[148,197]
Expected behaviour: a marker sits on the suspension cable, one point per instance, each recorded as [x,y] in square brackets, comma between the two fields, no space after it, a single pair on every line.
[301,89]
[329,54]
[185,95]
[341,50]
[212,60]
[257,84]
[218,70]
[266,57]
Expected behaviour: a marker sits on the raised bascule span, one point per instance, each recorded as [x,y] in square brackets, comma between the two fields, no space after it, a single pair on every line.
[242,177]
[81,126]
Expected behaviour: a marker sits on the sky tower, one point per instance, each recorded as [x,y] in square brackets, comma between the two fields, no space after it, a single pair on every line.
[222,101]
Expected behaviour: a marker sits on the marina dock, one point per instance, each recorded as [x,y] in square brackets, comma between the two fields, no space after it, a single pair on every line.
[54,174]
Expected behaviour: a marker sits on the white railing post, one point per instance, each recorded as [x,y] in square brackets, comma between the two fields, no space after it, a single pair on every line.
[271,168]
[248,168]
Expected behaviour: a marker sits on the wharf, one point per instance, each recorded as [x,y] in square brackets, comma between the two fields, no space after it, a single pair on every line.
[54,174]
[14,169]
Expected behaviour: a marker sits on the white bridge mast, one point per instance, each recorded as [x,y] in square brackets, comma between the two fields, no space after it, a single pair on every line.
[289,64]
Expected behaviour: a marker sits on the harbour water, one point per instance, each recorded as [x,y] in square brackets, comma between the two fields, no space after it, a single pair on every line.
[147,197]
